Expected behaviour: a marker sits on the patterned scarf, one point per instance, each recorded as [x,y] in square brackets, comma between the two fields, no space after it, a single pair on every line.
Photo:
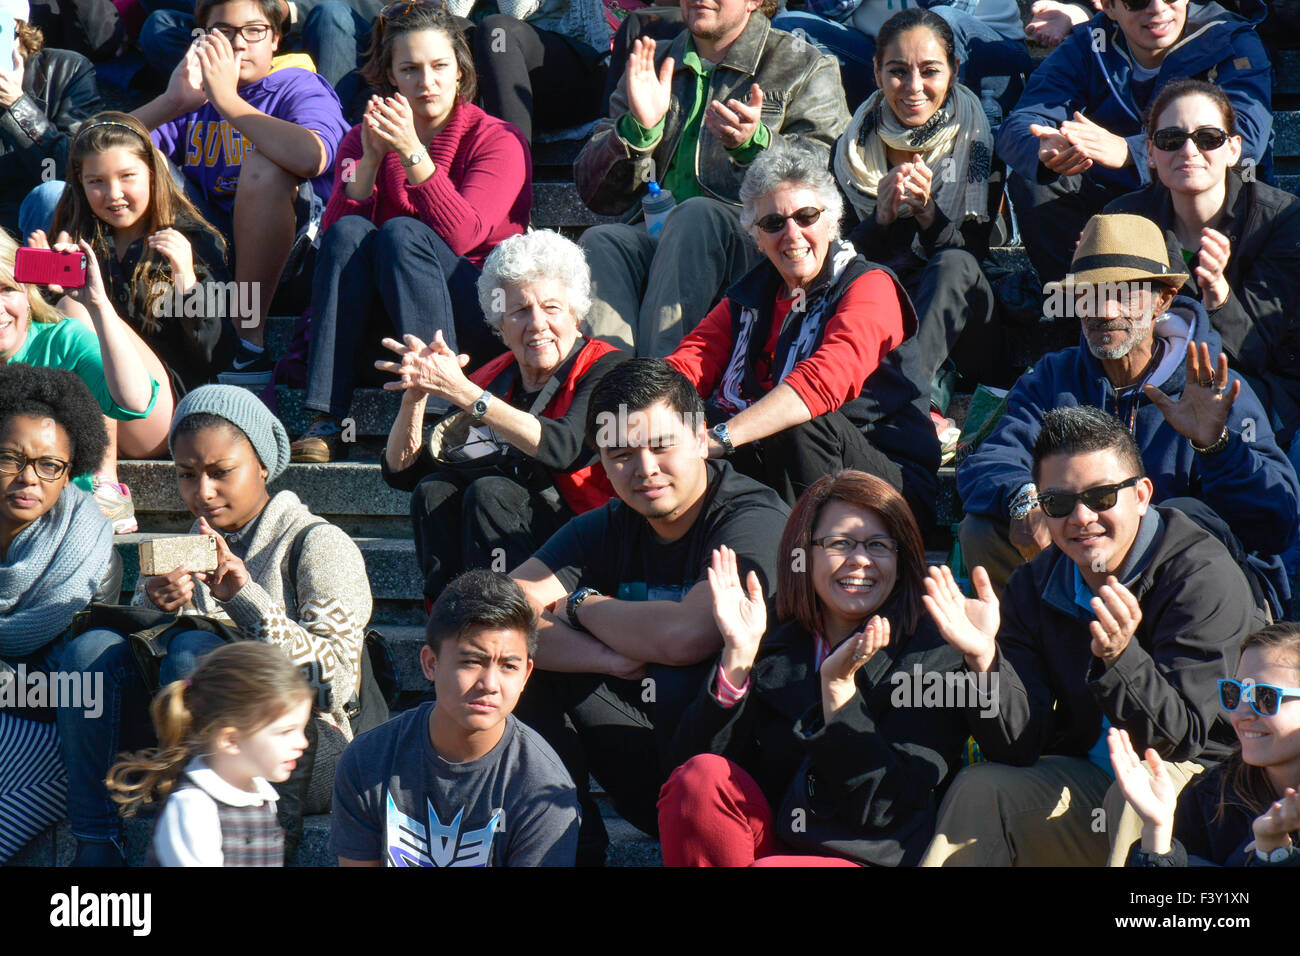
[956,143]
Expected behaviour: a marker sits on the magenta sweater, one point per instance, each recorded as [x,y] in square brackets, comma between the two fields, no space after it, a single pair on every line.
[480,192]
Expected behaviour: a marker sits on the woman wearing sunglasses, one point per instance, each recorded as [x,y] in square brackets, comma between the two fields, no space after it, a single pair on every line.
[818,739]
[1246,811]
[917,165]
[1239,237]
[813,349]
[424,188]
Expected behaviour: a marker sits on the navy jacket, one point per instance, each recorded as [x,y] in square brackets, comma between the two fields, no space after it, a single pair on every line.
[1091,72]
[1250,484]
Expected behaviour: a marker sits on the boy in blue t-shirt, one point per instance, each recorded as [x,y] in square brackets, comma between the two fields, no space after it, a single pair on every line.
[245,138]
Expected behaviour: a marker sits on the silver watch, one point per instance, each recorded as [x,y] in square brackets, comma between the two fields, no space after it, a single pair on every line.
[480,406]
[414,159]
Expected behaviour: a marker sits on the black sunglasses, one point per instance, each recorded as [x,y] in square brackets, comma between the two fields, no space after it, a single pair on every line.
[1265,699]
[776,222]
[1136,6]
[1206,138]
[1059,504]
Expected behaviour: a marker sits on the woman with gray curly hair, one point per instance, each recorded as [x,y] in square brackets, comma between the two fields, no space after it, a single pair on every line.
[517,467]
[809,365]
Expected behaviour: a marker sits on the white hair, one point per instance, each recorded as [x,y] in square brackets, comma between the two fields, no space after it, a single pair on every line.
[540,254]
[793,164]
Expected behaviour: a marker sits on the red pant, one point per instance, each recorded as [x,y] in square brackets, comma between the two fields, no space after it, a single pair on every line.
[712,813]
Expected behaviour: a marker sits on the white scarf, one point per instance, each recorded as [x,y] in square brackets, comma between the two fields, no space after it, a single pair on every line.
[956,143]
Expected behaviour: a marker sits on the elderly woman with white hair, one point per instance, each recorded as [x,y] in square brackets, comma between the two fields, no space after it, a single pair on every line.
[809,365]
[509,466]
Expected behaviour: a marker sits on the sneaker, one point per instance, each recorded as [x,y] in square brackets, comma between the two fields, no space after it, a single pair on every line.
[114,501]
[248,368]
[321,442]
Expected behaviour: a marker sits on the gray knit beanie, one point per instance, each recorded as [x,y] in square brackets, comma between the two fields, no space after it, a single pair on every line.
[246,412]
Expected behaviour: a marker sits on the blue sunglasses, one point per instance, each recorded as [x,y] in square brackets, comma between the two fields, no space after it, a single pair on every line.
[1264,699]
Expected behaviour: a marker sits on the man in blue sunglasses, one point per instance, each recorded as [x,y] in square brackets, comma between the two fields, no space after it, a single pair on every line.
[1129,618]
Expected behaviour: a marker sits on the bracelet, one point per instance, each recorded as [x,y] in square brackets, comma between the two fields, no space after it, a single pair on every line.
[1216,447]
[1025,501]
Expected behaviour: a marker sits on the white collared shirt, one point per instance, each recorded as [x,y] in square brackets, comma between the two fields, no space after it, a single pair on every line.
[189,831]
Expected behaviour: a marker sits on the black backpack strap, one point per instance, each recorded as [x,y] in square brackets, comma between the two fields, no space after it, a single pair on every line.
[295,550]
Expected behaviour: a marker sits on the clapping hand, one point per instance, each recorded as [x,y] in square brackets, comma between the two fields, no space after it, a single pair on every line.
[432,369]
[839,670]
[648,92]
[968,624]
[735,122]
[391,121]
[1057,153]
[1152,795]
[219,66]
[1096,143]
[1215,252]
[1118,616]
[185,87]
[1274,827]
[740,612]
[1201,412]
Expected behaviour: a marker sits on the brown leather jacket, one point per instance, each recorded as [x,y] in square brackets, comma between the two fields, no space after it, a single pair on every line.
[802,97]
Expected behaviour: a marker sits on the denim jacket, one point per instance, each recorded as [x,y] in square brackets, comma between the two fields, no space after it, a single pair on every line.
[802,97]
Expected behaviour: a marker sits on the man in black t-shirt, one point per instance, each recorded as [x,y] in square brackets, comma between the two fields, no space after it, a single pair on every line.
[626,628]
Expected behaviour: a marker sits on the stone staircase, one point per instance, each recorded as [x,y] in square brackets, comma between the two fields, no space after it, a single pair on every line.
[352,494]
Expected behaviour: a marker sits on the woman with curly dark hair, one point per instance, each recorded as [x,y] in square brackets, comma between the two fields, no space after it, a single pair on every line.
[56,552]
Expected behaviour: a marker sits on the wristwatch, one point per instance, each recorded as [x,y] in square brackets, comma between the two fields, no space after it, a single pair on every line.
[1024,501]
[571,607]
[414,158]
[480,406]
[1215,448]
[1280,855]
[722,433]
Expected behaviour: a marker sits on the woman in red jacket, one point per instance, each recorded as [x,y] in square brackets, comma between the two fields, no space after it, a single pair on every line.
[424,188]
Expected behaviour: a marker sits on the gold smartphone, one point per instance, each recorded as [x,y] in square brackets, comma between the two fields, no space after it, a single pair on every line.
[198,552]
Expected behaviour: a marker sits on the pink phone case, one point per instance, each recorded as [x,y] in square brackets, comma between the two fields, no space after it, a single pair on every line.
[47,267]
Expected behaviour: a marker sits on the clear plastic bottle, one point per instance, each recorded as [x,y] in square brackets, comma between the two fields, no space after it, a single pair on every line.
[656,204]
[992,108]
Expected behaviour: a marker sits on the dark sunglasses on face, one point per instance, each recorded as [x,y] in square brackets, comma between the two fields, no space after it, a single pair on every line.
[1206,139]
[1264,699]
[1137,6]
[775,222]
[1059,504]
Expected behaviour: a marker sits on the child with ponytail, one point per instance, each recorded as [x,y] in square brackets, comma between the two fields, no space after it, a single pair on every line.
[225,734]
[1245,811]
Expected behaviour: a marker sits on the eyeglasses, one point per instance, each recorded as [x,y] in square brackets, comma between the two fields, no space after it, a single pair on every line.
[47,469]
[1206,139]
[1059,504]
[1136,6]
[776,222]
[251,32]
[841,546]
[1264,699]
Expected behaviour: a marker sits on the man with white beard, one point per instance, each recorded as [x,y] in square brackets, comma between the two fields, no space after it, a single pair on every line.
[1150,357]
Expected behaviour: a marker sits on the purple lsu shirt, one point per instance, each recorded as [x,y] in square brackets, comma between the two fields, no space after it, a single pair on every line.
[209,150]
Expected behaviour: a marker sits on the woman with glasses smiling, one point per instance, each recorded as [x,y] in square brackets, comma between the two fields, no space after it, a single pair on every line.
[1246,811]
[813,736]
[809,364]
[56,552]
[1239,237]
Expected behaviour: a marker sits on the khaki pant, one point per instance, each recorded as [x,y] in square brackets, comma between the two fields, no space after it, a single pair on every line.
[645,294]
[986,543]
[1058,812]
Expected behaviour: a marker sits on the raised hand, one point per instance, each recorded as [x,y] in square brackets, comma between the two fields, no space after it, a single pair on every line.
[1051,22]
[648,92]
[373,146]
[393,122]
[839,670]
[917,188]
[1057,153]
[219,66]
[1095,142]
[735,122]
[1152,795]
[92,295]
[185,86]
[1215,252]
[1274,827]
[968,624]
[231,574]
[1201,412]
[740,612]
[178,252]
[1118,616]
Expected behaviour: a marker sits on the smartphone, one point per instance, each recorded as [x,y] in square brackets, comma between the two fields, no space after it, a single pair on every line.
[198,552]
[47,267]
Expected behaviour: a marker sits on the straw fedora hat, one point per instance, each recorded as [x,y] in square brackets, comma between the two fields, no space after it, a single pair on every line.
[1121,247]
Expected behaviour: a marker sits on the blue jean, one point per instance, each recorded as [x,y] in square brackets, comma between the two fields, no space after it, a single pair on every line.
[167,34]
[37,210]
[367,279]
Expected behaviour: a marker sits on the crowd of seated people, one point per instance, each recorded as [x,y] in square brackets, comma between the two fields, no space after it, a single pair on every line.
[671,484]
